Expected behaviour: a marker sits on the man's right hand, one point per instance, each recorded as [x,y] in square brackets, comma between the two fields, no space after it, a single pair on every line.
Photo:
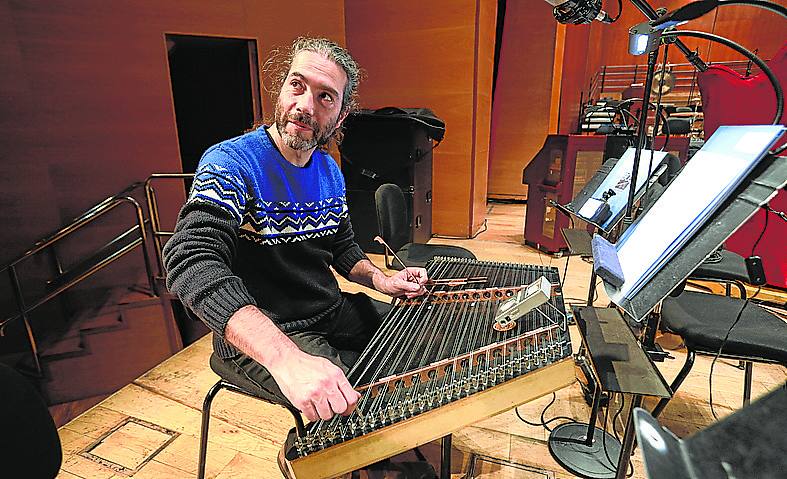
[314,385]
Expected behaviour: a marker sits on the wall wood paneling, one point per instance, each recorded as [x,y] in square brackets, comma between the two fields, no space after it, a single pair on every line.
[754,28]
[574,72]
[435,55]
[485,50]
[86,106]
[532,52]
[523,93]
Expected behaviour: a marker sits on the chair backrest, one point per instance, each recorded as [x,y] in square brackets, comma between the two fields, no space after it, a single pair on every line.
[392,215]
[677,126]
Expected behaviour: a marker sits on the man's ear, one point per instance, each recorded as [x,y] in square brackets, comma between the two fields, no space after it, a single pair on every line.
[342,116]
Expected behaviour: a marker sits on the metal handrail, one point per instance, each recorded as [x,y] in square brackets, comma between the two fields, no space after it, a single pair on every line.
[614,76]
[155,221]
[87,217]
[74,225]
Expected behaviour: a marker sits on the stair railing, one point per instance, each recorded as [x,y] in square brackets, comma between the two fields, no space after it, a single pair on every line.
[155,222]
[616,78]
[99,260]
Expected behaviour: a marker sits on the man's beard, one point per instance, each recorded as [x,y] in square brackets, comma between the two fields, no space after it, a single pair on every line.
[319,137]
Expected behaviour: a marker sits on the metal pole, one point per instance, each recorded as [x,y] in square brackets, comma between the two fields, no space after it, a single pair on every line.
[23,313]
[144,237]
[628,440]
[150,195]
[592,288]
[651,328]
[445,460]
[643,120]
[593,416]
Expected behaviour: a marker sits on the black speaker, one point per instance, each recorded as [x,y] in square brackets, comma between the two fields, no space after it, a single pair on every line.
[389,146]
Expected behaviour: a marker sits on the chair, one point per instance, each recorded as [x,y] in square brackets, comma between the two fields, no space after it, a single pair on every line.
[703,320]
[677,126]
[232,381]
[724,267]
[29,441]
[394,229]
[728,268]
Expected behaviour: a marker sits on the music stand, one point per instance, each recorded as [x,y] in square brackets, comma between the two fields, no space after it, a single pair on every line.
[619,365]
[611,184]
[612,175]
[767,175]
[755,189]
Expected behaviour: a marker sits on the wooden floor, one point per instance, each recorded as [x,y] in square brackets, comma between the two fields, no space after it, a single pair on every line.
[150,428]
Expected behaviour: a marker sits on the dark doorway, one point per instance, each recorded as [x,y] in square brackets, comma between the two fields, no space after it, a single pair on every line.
[215,87]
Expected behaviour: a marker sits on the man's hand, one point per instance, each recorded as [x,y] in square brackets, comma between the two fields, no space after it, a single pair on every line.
[314,385]
[408,282]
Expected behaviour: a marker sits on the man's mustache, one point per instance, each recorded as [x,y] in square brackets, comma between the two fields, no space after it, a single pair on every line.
[305,119]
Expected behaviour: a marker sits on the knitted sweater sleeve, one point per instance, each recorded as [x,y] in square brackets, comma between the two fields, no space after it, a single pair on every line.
[346,252]
[198,256]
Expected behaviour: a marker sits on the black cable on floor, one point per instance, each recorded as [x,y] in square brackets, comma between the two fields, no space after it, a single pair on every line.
[617,414]
[565,270]
[544,423]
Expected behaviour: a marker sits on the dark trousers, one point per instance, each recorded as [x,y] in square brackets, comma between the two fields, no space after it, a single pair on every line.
[339,337]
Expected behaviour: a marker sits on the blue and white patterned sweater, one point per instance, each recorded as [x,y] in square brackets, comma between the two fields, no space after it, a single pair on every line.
[258,230]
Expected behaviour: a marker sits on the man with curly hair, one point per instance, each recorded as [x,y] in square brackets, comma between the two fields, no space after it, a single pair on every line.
[264,224]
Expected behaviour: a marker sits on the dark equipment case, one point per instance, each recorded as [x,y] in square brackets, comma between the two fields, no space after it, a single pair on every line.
[389,145]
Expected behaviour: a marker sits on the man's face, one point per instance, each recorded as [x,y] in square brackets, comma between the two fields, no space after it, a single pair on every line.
[309,107]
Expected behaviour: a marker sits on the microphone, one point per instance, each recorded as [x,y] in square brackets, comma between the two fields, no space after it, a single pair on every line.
[684,14]
[577,12]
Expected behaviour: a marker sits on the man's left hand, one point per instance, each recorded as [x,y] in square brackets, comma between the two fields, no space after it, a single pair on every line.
[407,282]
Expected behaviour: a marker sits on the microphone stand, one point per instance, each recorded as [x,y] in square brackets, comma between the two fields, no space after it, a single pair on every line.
[648,342]
[573,444]
[641,134]
[584,457]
